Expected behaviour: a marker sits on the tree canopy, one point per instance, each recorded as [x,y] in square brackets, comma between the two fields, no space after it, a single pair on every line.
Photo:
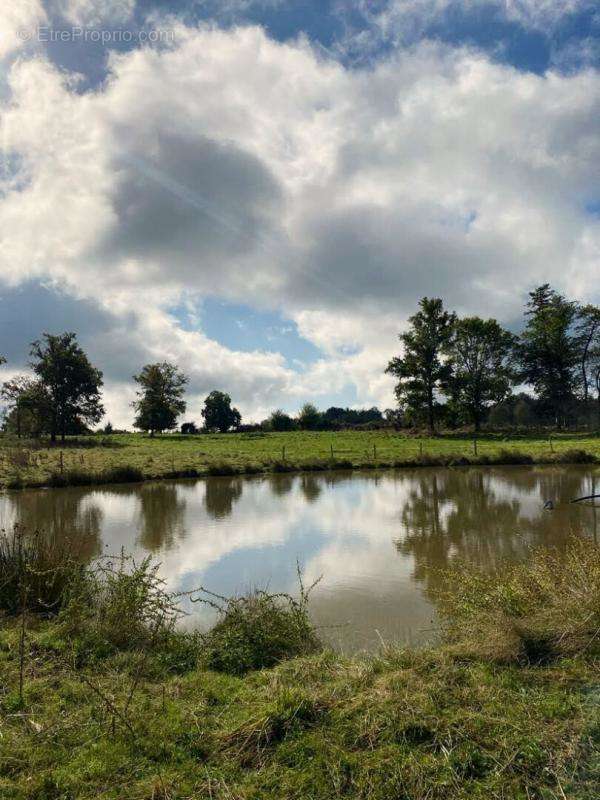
[160,397]
[421,370]
[218,414]
[70,383]
[481,355]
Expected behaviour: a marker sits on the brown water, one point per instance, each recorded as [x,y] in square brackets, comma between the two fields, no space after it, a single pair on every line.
[378,539]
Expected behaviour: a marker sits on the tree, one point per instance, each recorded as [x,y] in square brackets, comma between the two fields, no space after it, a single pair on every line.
[588,340]
[28,406]
[218,413]
[481,356]
[549,353]
[189,428]
[309,417]
[280,421]
[70,382]
[421,371]
[160,397]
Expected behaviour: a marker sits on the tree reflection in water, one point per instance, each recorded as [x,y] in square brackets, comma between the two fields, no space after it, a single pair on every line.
[221,495]
[161,521]
[486,517]
[67,514]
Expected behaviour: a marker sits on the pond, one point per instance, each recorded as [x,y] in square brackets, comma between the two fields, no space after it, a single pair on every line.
[379,540]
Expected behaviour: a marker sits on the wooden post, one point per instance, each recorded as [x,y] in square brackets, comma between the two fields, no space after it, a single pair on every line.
[62,463]
[551,445]
[283,452]
[331,452]
[420,448]
[374,452]
[475,445]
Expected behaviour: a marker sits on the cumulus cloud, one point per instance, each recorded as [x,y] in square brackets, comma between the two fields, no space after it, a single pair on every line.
[17,24]
[232,165]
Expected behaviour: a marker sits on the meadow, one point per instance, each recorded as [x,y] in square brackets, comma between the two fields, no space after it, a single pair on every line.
[135,457]
[106,700]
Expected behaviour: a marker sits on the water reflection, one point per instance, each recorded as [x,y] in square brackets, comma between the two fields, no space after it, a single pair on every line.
[221,495]
[379,540]
[71,515]
[161,521]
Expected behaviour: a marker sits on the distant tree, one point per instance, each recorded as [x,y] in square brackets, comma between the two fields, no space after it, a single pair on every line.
[160,397]
[108,428]
[339,417]
[27,411]
[309,417]
[218,413]
[280,421]
[13,393]
[549,352]
[421,370]
[524,413]
[189,428]
[394,417]
[71,384]
[588,341]
[481,355]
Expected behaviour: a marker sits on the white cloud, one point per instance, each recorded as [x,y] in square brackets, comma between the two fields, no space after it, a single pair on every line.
[18,22]
[92,13]
[235,166]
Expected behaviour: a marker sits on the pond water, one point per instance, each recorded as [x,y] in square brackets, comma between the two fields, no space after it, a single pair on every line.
[378,539]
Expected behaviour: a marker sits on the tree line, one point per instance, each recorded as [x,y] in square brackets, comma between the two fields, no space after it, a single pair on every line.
[464,370]
[452,371]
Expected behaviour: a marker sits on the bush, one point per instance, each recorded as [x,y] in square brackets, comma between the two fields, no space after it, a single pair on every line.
[531,613]
[258,631]
[37,572]
[121,606]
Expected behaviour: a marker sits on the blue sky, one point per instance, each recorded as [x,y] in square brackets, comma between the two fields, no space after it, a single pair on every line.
[301,170]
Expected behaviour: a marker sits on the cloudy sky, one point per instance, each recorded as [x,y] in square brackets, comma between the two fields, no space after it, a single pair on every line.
[261,190]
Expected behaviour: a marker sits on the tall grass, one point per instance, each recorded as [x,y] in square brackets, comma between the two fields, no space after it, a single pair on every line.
[532,612]
[36,572]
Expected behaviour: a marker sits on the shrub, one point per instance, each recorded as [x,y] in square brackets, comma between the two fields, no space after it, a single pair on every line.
[531,612]
[121,605]
[258,631]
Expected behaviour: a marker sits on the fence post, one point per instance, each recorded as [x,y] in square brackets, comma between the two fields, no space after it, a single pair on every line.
[283,453]
[374,452]
[331,446]
[62,464]
[475,445]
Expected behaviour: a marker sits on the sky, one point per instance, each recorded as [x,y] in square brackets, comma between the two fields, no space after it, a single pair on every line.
[262,190]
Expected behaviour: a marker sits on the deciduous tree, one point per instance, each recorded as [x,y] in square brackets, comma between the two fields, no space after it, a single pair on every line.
[71,384]
[481,355]
[422,370]
[218,413]
[160,397]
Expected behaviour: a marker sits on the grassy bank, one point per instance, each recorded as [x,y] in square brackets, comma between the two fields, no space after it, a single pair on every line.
[136,457]
[115,705]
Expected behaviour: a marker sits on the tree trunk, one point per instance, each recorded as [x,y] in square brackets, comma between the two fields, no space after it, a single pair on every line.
[431,419]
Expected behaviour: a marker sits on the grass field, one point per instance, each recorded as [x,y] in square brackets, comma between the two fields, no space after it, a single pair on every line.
[506,709]
[130,457]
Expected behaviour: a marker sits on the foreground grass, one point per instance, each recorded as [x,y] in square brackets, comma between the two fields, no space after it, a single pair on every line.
[402,725]
[117,704]
[135,457]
